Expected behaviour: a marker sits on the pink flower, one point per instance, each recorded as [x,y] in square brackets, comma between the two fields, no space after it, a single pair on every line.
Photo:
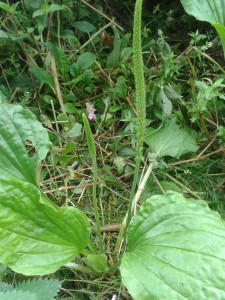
[91,111]
[91,116]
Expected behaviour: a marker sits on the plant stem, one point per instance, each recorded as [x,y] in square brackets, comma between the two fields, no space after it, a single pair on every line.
[92,248]
[56,124]
[80,268]
[127,217]
[142,186]
[141,113]
[140,96]
[56,80]
[96,204]
[133,205]
[211,59]
[92,151]
[183,186]
[94,35]
[102,14]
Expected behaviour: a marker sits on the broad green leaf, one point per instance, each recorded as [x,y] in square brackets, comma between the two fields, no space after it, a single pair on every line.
[121,87]
[85,60]
[171,93]
[220,28]
[18,295]
[61,60]
[5,287]
[38,289]
[165,102]
[19,128]
[212,11]
[2,272]
[114,56]
[37,13]
[3,97]
[126,53]
[176,250]
[87,76]
[47,9]
[3,34]
[33,4]
[75,131]
[7,8]
[84,26]
[74,70]
[62,63]
[97,261]
[44,288]
[42,75]
[37,239]
[170,139]
[23,81]
[55,7]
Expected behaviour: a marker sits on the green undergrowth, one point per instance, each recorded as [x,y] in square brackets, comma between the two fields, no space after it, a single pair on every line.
[57,60]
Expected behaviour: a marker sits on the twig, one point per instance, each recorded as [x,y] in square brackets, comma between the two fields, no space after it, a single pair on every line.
[110,227]
[56,124]
[14,94]
[188,50]
[49,26]
[195,158]
[207,147]
[183,186]
[70,187]
[211,122]
[131,105]
[56,177]
[211,59]
[94,35]
[159,185]
[102,14]
[56,80]
[111,82]
[199,156]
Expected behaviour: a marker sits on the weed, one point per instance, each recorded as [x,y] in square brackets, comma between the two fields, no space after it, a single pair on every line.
[65,60]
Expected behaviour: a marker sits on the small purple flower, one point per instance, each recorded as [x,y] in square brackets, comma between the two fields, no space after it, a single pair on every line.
[91,111]
[91,116]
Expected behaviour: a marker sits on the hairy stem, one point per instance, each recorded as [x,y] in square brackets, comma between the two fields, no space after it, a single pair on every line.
[140,96]
[141,112]
[139,77]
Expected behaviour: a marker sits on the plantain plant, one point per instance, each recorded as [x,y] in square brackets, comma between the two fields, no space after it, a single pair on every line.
[174,246]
